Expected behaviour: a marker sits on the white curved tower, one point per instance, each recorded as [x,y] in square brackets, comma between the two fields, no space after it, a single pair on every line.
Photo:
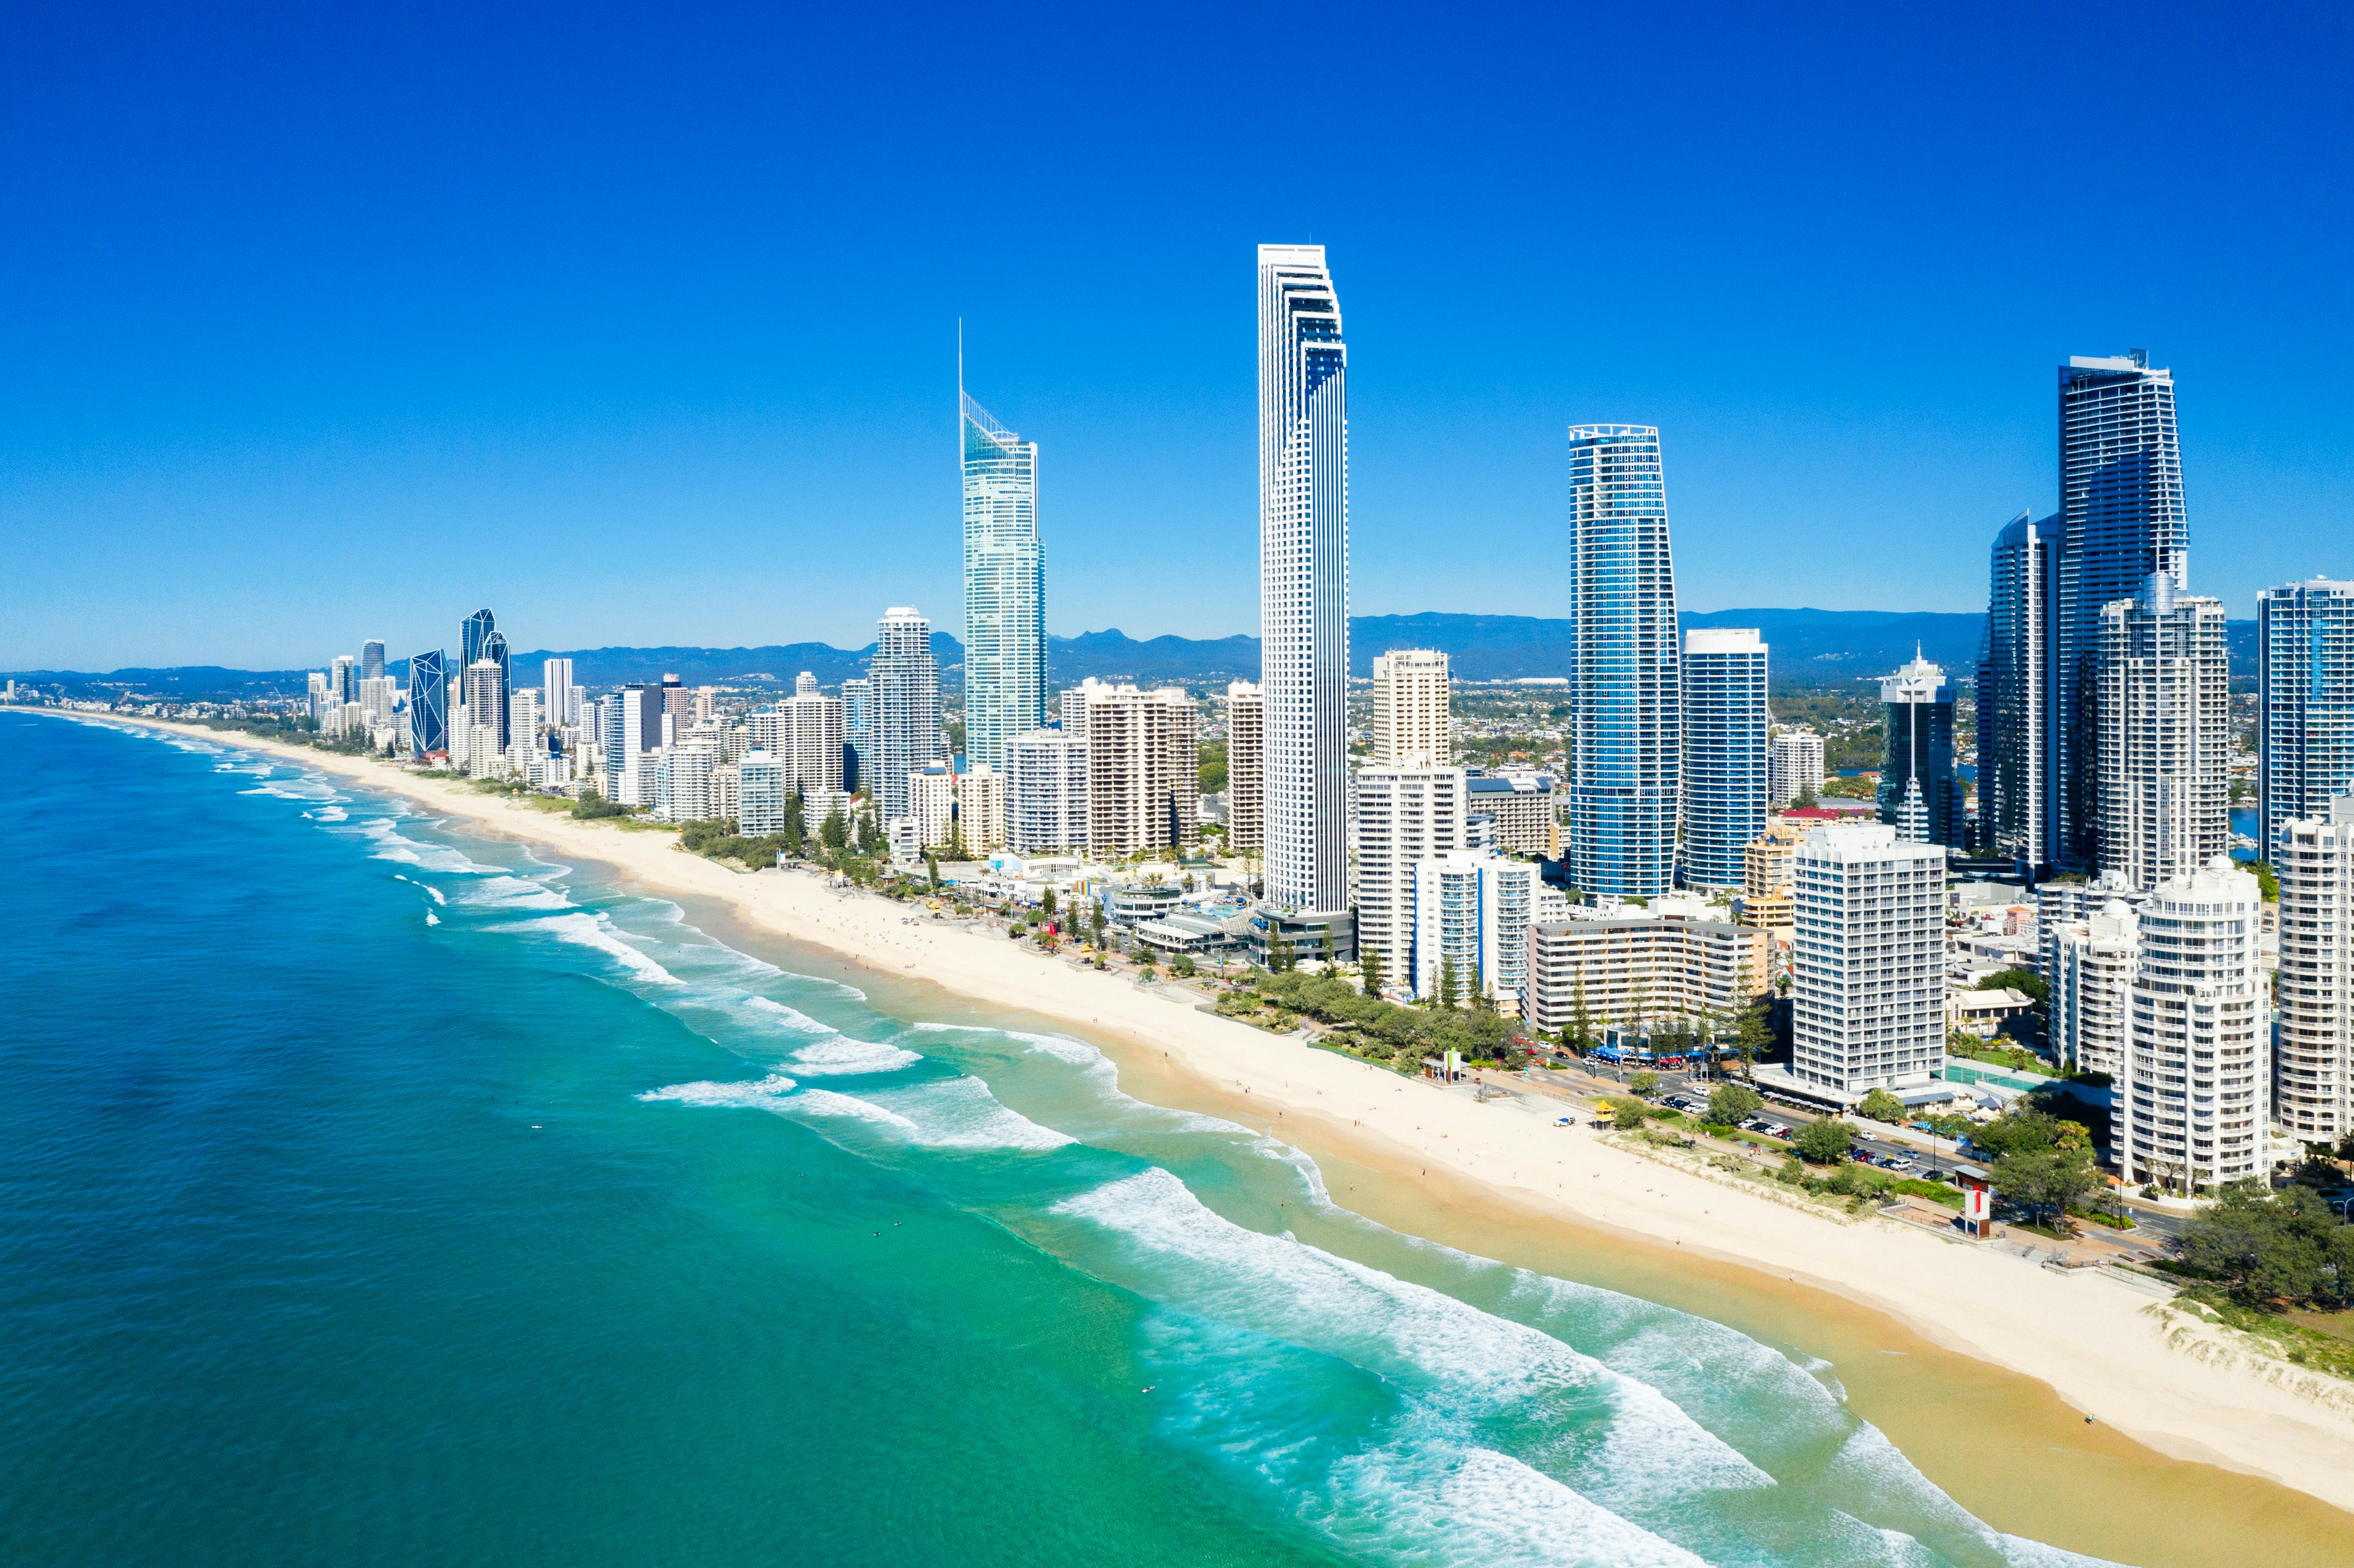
[1004,588]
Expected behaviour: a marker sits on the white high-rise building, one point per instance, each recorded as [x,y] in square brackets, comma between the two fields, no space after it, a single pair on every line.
[1794,765]
[810,735]
[2313,1073]
[2305,705]
[2193,1095]
[1471,911]
[762,792]
[2090,973]
[931,803]
[1411,725]
[981,809]
[1303,449]
[1724,752]
[562,697]
[683,783]
[2163,724]
[629,763]
[906,692]
[1004,586]
[1046,792]
[1143,778]
[1404,816]
[1867,961]
[1246,768]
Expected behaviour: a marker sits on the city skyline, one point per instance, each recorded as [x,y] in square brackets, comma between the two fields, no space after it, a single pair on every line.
[210,439]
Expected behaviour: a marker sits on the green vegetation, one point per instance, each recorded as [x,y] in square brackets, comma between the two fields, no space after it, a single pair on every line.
[1644,1082]
[2042,1162]
[1730,1105]
[2272,1249]
[1626,1113]
[719,840]
[1376,1030]
[2017,1058]
[2027,982]
[592,806]
[2267,884]
[1824,1143]
[1210,769]
[1881,1106]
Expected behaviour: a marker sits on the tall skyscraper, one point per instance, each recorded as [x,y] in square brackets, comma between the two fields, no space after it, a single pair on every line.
[494,649]
[1794,765]
[629,756]
[2019,695]
[1245,767]
[1046,792]
[2193,1095]
[1413,727]
[563,698]
[1004,588]
[471,634]
[2305,680]
[429,705]
[857,731]
[372,658]
[1303,488]
[1867,989]
[2313,1073]
[1724,752]
[2121,518]
[1625,698]
[1143,778]
[1920,793]
[814,733]
[906,693]
[1404,815]
[2164,697]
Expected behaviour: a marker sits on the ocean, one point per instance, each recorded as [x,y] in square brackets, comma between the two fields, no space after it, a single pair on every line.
[375,1192]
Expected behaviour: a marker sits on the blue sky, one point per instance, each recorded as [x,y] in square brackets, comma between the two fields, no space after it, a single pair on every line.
[640,326]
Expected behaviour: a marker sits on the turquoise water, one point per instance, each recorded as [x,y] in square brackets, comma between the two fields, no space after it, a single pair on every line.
[377,1194]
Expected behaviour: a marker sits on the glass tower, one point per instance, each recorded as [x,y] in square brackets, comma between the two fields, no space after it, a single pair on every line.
[2121,519]
[2305,675]
[429,705]
[906,680]
[1303,574]
[1004,588]
[1626,701]
[2019,695]
[1920,793]
[1725,753]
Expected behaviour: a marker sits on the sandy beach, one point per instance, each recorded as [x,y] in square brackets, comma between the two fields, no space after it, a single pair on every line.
[2095,1340]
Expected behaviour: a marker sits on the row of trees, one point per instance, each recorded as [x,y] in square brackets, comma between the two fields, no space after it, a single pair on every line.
[1384,1029]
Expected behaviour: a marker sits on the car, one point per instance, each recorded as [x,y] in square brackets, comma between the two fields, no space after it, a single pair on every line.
[1775,1129]
[1755,1124]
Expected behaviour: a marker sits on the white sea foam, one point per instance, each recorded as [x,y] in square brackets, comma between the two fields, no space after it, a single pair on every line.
[825,1102]
[387,842]
[762,1094]
[843,1054]
[596,931]
[961,1113]
[431,918]
[512,893]
[1475,1506]
[1425,1340]
[789,1017]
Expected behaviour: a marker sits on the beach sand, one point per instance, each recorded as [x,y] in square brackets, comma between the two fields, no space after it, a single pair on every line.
[1501,1181]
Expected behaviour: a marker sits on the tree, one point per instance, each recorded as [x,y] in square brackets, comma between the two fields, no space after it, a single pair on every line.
[1806,801]
[834,831]
[1644,1083]
[2272,1247]
[1182,964]
[932,869]
[872,839]
[1581,1021]
[2025,981]
[1730,1105]
[2047,1179]
[1626,1113]
[1881,1106]
[1046,902]
[954,849]
[1825,1142]
[1096,921]
[1369,970]
[1446,994]
[2267,884]
[1752,1032]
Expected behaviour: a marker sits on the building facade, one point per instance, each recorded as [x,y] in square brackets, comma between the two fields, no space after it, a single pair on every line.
[429,705]
[1868,961]
[561,697]
[1046,792]
[1412,726]
[1639,972]
[980,806]
[1246,768]
[1920,792]
[1404,816]
[2313,1073]
[2019,695]
[763,795]
[1518,805]
[906,679]
[2090,976]
[1724,759]
[2165,732]
[1794,765]
[1143,778]
[858,732]
[2193,1096]
[2304,681]
[1303,447]
[1471,913]
[1625,781]
[2121,518]
[1004,586]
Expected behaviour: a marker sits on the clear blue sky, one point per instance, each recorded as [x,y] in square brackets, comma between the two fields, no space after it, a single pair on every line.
[639,326]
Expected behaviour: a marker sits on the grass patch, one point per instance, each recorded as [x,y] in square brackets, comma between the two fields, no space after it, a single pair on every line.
[2323,1350]
[1936,1192]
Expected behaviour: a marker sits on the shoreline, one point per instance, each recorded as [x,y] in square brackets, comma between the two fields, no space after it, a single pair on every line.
[2091,1342]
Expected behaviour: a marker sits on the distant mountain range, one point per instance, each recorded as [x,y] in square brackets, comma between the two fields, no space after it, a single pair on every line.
[1809,648]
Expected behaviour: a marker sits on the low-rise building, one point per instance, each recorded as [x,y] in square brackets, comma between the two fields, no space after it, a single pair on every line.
[1636,971]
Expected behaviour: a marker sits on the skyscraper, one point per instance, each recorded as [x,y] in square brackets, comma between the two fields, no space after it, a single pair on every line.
[1143,775]
[2305,678]
[429,705]
[563,697]
[2019,695]
[1724,752]
[1794,765]
[857,732]
[1004,588]
[1920,793]
[1412,724]
[2312,1074]
[2194,1092]
[2121,518]
[344,679]
[1404,815]
[2164,735]
[1869,976]
[907,695]
[1245,767]
[1303,487]
[372,658]
[1625,698]
[470,633]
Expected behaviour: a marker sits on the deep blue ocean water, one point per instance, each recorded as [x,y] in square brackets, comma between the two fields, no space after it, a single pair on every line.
[376,1193]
